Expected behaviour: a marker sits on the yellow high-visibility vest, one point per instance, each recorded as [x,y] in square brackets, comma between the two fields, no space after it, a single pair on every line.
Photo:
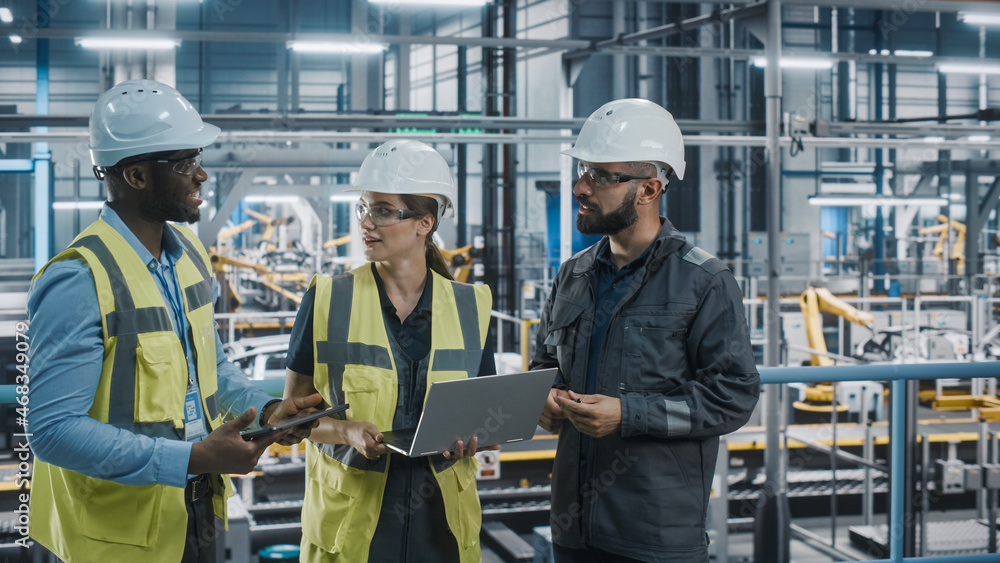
[354,364]
[142,388]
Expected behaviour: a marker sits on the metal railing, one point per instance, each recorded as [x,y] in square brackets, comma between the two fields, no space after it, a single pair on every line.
[898,375]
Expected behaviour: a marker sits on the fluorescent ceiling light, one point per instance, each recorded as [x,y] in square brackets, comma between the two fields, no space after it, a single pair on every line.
[979,19]
[968,68]
[901,53]
[460,3]
[797,62]
[334,47]
[133,43]
[16,39]
[6,16]
[271,198]
[77,205]
[849,201]
[847,188]
[933,140]
[979,138]
[349,198]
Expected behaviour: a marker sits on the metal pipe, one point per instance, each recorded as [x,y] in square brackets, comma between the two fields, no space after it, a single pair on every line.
[326,136]
[833,467]
[981,453]
[909,464]
[867,506]
[877,372]
[992,542]
[772,540]
[838,453]
[896,475]
[925,460]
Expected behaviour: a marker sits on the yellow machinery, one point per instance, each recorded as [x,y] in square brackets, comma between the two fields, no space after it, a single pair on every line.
[460,260]
[815,300]
[270,225]
[944,232]
[335,242]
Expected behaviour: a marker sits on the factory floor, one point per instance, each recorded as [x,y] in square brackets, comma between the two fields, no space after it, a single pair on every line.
[741,545]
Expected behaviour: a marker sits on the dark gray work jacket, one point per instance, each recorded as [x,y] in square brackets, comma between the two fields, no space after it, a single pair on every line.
[677,353]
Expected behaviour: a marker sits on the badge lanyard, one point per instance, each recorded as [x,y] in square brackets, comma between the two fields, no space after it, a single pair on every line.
[194,426]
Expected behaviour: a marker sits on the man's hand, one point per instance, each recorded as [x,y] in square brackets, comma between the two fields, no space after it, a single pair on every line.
[225,451]
[595,415]
[552,415]
[291,407]
[461,451]
[363,436]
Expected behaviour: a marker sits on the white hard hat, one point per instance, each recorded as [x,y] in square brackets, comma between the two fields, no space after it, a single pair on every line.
[408,167]
[632,130]
[144,116]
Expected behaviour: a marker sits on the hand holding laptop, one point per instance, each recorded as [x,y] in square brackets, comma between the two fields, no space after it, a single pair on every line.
[460,451]
[364,437]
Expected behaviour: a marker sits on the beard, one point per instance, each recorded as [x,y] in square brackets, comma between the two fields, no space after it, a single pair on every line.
[168,201]
[613,222]
[162,207]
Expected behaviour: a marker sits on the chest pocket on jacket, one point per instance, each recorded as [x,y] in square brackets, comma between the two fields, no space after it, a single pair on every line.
[562,339]
[654,354]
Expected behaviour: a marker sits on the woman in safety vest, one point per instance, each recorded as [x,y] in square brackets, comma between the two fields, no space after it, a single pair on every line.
[376,338]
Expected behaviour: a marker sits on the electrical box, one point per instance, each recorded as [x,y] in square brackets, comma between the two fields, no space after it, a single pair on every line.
[973,477]
[949,476]
[991,476]
[795,257]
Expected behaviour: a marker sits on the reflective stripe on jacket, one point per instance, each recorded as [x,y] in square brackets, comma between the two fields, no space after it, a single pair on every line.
[354,364]
[677,354]
[142,388]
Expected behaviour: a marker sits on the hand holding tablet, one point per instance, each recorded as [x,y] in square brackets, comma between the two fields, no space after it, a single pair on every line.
[293,421]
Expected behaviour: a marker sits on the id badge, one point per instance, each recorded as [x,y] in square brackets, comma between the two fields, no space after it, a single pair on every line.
[194,422]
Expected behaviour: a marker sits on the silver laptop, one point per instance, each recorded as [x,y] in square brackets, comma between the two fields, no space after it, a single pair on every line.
[499,409]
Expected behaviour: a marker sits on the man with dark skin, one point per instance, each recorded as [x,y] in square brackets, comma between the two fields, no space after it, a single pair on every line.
[136,412]
[146,195]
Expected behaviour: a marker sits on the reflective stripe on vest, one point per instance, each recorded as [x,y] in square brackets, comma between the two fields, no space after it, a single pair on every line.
[126,323]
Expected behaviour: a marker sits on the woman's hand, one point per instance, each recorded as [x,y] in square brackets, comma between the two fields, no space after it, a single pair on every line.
[362,436]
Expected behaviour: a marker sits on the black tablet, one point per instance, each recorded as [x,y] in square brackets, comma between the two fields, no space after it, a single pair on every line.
[292,422]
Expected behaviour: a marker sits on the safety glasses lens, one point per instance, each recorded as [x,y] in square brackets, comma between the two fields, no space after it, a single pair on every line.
[188,166]
[381,216]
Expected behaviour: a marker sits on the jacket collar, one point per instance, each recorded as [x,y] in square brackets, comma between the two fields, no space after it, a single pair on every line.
[666,243]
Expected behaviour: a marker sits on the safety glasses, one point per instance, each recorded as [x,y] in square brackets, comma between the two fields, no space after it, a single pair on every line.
[382,216]
[186,166]
[600,178]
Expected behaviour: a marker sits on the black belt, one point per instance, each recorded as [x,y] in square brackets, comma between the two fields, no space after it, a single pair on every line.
[197,489]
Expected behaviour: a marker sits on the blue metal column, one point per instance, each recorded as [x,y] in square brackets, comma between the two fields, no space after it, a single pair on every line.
[878,237]
[40,154]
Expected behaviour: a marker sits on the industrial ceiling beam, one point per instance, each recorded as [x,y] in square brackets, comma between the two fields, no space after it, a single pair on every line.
[921,6]
[346,122]
[659,32]
[257,137]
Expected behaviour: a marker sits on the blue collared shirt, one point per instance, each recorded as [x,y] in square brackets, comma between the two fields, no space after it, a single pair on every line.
[66,356]
[612,285]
